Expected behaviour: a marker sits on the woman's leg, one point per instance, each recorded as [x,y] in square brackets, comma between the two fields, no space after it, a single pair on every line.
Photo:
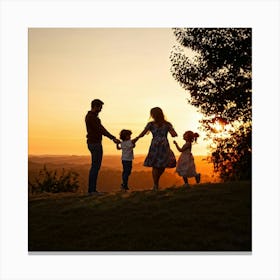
[186,185]
[155,178]
[185,179]
[157,172]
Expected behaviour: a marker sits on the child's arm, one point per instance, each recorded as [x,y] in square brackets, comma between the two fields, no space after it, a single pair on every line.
[118,146]
[185,147]
[133,141]
[177,146]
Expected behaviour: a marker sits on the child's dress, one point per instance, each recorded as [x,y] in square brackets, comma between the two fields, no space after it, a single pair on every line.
[185,166]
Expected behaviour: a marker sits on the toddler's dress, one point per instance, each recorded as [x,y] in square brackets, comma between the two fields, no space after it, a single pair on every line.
[185,166]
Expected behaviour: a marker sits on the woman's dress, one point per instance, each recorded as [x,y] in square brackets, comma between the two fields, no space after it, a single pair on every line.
[160,155]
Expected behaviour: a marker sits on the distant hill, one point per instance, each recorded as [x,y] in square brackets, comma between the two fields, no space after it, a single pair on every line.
[110,173]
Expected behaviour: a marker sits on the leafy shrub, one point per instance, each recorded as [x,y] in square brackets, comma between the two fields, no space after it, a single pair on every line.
[52,181]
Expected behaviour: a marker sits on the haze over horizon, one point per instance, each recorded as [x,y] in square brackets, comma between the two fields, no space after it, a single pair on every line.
[104,155]
[127,68]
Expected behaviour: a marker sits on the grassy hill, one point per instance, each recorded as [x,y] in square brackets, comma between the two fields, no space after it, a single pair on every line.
[207,217]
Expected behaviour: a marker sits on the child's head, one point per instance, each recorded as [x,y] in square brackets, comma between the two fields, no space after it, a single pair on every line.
[190,136]
[125,134]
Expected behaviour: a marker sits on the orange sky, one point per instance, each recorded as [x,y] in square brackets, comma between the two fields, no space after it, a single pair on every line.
[127,68]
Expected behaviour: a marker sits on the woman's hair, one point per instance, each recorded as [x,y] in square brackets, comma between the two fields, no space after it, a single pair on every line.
[124,133]
[157,115]
[191,136]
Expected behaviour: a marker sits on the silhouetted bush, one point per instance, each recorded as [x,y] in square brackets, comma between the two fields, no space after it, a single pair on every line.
[51,181]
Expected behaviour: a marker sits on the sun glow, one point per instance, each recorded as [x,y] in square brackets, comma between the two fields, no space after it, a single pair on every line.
[70,67]
[217,127]
[220,127]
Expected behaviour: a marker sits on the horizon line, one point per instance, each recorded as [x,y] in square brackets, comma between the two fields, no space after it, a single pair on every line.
[83,155]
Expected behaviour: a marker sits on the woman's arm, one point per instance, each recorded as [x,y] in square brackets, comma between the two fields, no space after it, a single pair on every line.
[144,132]
[133,141]
[172,131]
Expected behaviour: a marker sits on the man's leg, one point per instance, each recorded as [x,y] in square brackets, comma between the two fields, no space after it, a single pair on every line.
[96,159]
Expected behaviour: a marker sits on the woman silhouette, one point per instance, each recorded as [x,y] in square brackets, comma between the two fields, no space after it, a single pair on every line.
[160,155]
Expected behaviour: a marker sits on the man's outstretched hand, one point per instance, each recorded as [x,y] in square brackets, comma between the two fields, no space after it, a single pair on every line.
[117,141]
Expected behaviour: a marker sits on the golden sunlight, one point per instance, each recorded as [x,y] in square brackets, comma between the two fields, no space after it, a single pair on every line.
[217,127]
[69,67]
[221,127]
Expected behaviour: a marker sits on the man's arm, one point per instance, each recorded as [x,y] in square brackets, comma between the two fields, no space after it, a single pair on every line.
[106,133]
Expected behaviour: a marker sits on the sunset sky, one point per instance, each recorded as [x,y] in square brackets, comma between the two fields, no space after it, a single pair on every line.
[67,68]
[127,68]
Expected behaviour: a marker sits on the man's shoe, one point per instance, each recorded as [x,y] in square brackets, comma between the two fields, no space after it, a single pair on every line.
[155,188]
[94,193]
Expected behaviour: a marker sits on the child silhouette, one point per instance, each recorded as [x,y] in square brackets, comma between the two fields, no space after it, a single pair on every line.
[186,166]
[126,146]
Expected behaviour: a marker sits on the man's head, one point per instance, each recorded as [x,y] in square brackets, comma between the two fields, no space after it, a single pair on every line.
[96,105]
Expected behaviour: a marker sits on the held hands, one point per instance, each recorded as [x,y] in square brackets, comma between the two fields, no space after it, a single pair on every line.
[177,146]
[116,141]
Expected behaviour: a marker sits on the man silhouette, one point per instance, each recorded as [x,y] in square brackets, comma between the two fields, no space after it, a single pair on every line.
[95,130]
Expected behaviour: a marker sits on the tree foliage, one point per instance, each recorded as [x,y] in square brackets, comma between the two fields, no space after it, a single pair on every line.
[218,78]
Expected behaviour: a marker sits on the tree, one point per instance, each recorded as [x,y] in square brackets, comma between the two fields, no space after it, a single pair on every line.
[218,79]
